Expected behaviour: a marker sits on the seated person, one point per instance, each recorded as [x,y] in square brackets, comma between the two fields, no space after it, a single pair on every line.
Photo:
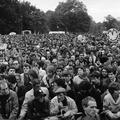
[63,105]
[111,102]
[90,109]
[38,109]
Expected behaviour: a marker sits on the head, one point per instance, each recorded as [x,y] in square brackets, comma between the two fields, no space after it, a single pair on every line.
[66,76]
[111,74]
[36,84]
[58,82]
[80,71]
[61,93]
[32,74]
[89,106]
[50,70]
[16,64]
[59,70]
[114,88]
[26,67]
[11,71]
[12,81]
[104,72]
[85,87]
[95,78]
[4,89]
[39,95]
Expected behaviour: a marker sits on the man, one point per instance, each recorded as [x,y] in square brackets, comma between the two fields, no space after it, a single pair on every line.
[8,102]
[29,96]
[63,105]
[111,102]
[90,109]
[25,80]
[11,71]
[38,109]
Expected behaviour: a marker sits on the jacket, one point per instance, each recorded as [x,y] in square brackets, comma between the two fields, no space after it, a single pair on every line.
[9,107]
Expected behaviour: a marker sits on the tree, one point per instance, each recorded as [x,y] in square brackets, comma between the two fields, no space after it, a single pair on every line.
[111,22]
[73,16]
[17,16]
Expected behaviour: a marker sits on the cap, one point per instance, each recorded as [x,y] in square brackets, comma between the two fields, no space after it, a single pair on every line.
[60,90]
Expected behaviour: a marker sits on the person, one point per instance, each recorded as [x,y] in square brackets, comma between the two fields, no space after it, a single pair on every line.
[29,96]
[90,109]
[25,77]
[38,109]
[63,105]
[87,89]
[111,102]
[11,71]
[8,102]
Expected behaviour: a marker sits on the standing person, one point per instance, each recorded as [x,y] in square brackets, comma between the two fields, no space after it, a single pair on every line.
[8,102]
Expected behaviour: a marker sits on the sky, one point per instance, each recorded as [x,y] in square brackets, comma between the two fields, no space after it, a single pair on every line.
[98,9]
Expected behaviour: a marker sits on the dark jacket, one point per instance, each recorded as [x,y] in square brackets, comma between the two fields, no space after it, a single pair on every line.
[38,110]
[9,106]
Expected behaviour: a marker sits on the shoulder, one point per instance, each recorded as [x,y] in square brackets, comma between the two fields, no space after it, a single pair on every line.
[107,96]
[70,99]
[54,99]
[30,92]
[13,93]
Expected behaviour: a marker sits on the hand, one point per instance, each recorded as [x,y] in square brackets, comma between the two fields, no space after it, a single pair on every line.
[20,118]
[112,115]
[67,114]
[60,106]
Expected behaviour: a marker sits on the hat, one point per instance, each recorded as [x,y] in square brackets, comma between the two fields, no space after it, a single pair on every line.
[39,93]
[60,90]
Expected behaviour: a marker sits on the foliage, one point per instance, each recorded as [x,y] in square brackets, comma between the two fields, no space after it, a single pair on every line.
[111,22]
[17,16]
[70,16]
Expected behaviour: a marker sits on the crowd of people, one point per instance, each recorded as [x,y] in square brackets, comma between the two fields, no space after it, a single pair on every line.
[59,77]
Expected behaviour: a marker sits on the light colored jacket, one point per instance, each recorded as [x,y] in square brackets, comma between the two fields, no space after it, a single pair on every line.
[29,96]
[71,106]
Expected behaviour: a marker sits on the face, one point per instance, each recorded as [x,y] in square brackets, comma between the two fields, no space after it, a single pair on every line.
[104,72]
[59,72]
[11,61]
[111,76]
[55,86]
[11,72]
[26,69]
[87,71]
[60,97]
[4,89]
[36,87]
[91,109]
[77,62]
[116,93]
[80,72]
[49,73]
[16,65]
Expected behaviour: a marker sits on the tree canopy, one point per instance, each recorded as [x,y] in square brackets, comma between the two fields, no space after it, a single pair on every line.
[70,16]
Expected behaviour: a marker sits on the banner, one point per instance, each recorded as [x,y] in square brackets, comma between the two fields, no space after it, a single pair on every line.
[113,35]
